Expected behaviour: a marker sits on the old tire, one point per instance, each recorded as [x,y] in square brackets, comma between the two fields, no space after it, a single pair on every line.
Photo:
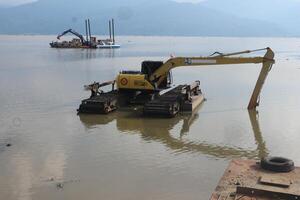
[277,164]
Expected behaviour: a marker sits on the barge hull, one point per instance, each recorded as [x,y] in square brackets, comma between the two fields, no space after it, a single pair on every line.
[246,180]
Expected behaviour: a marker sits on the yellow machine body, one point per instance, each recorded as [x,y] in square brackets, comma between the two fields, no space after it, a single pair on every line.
[133,82]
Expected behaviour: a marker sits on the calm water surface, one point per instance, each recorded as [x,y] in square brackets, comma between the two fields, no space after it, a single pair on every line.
[56,154]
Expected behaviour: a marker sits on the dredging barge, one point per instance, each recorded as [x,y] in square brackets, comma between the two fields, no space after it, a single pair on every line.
[150,87]
[89,41]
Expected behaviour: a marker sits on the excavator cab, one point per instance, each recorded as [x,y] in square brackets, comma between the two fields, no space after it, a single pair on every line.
[149,67]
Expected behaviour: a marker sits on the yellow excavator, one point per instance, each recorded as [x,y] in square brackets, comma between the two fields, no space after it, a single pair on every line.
[155,76]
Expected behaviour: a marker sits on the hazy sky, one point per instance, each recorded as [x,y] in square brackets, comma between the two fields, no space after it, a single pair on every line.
[18,2]
[14,2]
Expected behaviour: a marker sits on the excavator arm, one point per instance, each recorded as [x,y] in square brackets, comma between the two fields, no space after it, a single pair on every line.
[223,59]
[74,33]
[220,59]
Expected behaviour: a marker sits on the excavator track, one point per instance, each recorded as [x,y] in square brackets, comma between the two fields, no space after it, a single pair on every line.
[167,104]
[180,99]
[100,104]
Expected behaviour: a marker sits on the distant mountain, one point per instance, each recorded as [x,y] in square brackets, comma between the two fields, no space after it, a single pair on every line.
[142,17]
[283,13]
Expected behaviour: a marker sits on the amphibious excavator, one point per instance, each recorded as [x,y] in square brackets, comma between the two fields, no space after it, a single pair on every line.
[150,87]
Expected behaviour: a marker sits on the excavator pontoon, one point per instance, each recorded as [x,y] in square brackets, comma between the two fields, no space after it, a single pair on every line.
[151,87]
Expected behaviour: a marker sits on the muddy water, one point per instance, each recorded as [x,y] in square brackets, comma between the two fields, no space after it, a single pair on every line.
[56,154]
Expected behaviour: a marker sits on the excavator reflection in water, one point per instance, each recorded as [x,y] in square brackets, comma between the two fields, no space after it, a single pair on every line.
[128,122]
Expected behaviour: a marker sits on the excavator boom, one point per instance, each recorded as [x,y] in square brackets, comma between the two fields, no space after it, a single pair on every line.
[74,33]
[222,59]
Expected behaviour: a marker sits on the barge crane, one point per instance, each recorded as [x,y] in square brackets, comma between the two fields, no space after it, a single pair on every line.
[148,85]
[89,42]
[74,33]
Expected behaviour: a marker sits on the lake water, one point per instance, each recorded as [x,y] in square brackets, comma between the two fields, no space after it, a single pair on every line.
[56,154]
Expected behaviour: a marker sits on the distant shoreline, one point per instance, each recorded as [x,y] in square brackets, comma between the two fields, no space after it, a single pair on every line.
[184,36]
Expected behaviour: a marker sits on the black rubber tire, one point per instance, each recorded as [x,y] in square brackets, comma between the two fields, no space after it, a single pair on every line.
[277,164]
